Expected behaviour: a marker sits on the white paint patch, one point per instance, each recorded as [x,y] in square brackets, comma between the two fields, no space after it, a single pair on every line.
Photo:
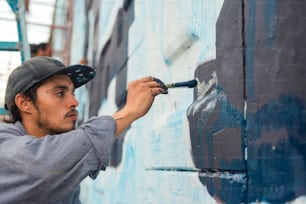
[299,200]
[203,87]
[232,177]
[179,45]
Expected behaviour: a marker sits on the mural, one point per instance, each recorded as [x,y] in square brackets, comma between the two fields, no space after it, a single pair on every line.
[275,76]
[240,132]
[111,62]
[249,111]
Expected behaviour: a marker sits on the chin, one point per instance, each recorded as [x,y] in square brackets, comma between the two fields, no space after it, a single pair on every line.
[71,128]
[63,130]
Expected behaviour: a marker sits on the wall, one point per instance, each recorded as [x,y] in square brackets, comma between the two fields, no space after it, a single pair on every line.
[239,137]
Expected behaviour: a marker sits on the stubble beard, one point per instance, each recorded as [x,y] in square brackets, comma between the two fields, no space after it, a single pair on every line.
[43,123]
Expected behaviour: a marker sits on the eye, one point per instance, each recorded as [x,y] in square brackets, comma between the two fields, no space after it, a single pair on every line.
[60,93]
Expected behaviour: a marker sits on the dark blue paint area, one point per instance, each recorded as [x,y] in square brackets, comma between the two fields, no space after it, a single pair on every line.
[285,112]
[277,151]
[274,133]
[224,189]
[209,118]
[227,117]
[271,175]
[276,138]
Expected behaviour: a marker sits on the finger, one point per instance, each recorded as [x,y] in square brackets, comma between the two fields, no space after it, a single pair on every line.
[160,82]
[146,79]
[157,91]
[150,79]
[154,84]
[163,91]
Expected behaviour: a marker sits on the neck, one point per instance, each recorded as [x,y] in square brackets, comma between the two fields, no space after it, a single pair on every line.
[33,130]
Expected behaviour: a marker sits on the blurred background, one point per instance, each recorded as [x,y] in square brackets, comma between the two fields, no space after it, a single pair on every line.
[39,22]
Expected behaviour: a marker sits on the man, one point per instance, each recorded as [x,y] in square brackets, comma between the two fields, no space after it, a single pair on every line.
[41,49]
[43,156]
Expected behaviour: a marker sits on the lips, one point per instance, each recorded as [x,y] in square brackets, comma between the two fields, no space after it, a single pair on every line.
[72,114]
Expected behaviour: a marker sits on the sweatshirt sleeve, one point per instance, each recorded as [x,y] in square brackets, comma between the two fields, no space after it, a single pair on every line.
[102,142]
[50,167]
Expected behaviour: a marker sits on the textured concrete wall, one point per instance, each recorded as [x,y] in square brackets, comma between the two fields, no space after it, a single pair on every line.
[239,137]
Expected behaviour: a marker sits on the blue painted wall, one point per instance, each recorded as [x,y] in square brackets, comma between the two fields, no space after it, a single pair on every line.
[239,137]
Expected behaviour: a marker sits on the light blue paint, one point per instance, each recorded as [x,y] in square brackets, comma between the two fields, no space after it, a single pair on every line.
[167,138]
[203,17]
[197,18]
[158,19]
[127,177]
[178,47]
[156,15]
[137,59]
[82,95]
[78,32]
[76,53]
[105,13]
[136,46]
[132,182]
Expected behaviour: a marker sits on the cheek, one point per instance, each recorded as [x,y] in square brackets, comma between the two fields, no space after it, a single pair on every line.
[49,106]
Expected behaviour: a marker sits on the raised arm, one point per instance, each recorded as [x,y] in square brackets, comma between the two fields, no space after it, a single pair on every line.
[140,96]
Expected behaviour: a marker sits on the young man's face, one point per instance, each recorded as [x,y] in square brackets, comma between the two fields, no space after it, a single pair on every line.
[55,109]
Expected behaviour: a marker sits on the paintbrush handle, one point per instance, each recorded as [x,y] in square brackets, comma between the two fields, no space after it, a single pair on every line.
[190,84]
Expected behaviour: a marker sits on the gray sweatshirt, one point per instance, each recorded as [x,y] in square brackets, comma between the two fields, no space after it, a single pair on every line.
[49,169]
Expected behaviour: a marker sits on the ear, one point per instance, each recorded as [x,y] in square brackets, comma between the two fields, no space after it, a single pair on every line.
[23,103]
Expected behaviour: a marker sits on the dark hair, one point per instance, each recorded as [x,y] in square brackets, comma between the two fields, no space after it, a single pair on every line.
[42,46]
[31,94]
[33,49]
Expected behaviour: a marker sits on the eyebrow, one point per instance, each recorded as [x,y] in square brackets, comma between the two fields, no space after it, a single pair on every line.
[61,87]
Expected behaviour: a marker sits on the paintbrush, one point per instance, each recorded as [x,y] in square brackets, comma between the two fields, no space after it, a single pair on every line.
[190,84]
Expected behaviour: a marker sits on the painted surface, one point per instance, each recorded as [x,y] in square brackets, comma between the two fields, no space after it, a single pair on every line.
[239,137]
[275,81]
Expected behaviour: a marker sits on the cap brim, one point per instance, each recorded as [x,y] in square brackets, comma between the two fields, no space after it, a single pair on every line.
[79,74]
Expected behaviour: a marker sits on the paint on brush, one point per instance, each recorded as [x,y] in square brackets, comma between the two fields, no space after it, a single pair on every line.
[190,84]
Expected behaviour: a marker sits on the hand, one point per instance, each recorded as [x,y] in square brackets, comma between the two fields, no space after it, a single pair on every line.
[140,96]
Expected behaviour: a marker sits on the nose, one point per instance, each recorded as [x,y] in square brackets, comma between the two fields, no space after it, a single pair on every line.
[72,101]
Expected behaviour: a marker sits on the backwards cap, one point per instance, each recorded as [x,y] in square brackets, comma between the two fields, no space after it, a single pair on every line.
[38,69]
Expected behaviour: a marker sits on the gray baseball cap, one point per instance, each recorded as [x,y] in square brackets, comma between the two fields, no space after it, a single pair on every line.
[38,69]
